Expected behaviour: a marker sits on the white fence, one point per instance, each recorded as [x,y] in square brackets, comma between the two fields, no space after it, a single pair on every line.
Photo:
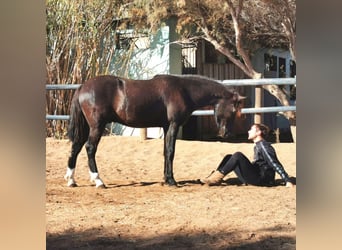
[241,82]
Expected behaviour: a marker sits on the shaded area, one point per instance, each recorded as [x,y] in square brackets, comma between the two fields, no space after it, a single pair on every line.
[229,181]
[277,182]
[97,239]
[284,136]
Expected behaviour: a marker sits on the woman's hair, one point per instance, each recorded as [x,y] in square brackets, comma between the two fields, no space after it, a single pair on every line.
[263,128]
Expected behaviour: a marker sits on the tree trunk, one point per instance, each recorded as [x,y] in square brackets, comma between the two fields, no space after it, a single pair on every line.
[246,66]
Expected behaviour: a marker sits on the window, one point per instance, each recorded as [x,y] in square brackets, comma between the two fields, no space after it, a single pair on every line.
[270,62]
[282,67]
[212,55]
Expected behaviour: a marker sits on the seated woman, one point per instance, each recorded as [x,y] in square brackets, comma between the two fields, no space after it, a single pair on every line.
[260,172]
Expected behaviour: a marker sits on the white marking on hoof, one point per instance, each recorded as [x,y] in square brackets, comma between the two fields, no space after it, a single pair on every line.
[101,186]
[69,176]
[94,177]
[71,183]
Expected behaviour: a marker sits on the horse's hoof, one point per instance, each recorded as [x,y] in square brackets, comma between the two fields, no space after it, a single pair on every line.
[102,186]
[171,182]
[71,183]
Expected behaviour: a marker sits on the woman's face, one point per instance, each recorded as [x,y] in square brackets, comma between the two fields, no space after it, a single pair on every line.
[253,132]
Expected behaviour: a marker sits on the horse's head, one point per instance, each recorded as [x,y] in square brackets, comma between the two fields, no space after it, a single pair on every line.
[225,111]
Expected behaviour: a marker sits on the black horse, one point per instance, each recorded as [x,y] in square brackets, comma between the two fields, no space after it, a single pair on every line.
[165,101]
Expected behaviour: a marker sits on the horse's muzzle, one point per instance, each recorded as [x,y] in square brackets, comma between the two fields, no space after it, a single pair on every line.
[224,133]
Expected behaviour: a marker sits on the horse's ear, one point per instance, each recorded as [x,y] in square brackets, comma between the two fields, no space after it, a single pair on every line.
[121,83]
[238,97]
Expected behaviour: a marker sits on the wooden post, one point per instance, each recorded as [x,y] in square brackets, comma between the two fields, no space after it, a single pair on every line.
[257,104]
[143,133]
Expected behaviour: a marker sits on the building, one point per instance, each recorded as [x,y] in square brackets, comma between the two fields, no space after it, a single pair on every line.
[159,54]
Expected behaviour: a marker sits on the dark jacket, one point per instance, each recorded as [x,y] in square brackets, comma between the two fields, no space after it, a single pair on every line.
[266,159]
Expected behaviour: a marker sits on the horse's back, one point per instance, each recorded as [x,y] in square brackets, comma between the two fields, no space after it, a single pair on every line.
[136,103]
[146,103]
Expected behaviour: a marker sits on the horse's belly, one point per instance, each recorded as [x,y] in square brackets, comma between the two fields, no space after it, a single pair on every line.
[143,112]
[144,120]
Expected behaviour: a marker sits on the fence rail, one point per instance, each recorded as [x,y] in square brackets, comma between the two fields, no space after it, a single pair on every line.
[259,82]
[236,82]
[61,86]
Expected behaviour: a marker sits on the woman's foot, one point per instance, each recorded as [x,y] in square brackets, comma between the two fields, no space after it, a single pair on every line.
[215,178]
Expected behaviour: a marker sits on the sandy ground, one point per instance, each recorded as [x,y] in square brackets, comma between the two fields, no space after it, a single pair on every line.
[137,211]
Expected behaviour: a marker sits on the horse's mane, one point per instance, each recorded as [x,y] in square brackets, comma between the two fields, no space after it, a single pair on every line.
[204,79]
[196,77]
[200,78]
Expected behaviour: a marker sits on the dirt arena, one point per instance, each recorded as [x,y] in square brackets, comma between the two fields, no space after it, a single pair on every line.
[137,212]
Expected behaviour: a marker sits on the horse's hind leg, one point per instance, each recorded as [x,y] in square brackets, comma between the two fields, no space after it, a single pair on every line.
[91,147]
[75,150]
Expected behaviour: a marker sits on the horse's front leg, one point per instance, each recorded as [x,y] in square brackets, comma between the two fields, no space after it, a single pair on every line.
[169,153]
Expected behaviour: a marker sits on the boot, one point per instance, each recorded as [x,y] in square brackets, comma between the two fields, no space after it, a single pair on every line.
[214,178]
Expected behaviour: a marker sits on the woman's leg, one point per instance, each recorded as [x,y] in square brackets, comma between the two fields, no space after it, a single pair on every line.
[216,176]
[235,160]
[240,176]
[224,161]
[243,168]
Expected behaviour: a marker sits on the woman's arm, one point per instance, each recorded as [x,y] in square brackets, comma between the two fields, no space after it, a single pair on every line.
[270,157]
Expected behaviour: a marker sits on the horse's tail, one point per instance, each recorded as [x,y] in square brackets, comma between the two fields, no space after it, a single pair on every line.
[78,129]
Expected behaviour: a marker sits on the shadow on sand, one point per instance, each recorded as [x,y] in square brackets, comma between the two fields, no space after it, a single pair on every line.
[92,239]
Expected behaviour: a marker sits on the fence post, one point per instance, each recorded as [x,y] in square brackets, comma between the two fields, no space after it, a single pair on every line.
[257,104]
[143,133]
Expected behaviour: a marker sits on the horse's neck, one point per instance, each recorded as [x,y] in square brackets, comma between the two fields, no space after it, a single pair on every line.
[203,91]
[205,99]
[208,95]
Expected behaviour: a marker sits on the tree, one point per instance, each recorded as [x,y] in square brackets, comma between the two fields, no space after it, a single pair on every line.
[285,15]
[82,36]
[234,27]
[81,43]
